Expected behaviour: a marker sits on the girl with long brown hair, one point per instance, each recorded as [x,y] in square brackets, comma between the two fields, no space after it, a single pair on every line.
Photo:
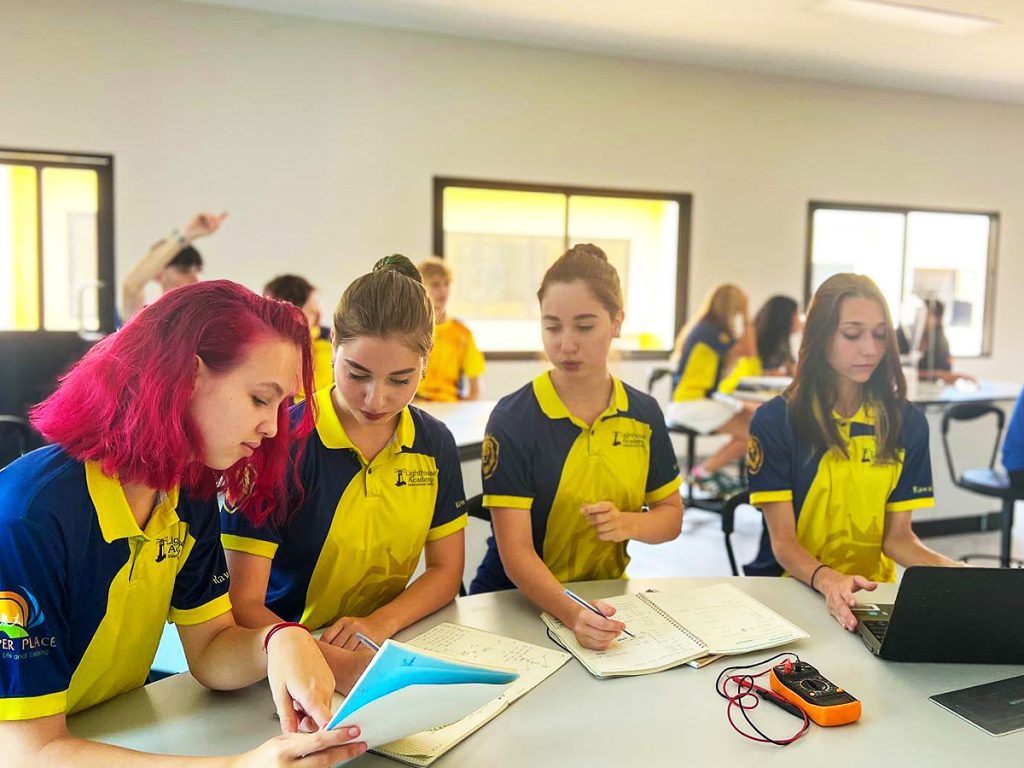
[839,462]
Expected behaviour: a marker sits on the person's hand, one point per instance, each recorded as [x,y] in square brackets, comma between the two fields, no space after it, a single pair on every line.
[301,682]
[597,632]
[203,224]
[838,590]
[347,666]
[303,750]
[610,523]
[342,633]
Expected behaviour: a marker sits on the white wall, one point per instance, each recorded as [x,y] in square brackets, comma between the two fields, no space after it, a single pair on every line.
[322,139]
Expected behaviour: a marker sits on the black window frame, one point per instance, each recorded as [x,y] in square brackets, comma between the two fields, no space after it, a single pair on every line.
[988,319]
[683,199]
[103,165]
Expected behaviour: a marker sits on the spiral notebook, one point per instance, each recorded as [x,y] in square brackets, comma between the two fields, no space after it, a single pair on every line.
[679,627]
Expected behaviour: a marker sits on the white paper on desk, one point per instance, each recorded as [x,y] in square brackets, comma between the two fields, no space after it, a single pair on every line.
[726,619]
[416,708]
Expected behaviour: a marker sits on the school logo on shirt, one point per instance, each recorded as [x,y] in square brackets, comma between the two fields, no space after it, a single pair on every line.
[415,477]
[19,615]
[755,455]
[489,458]
[629,439]
[168,546]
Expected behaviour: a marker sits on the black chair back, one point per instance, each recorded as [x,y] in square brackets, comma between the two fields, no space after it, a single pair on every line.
[15,439]
[728,513]
[970,412]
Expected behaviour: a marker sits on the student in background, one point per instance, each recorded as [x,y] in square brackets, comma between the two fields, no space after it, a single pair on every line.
[382,482]
[840,460]
[300,292]
[172,262]
[113,530]
[454,357]
[707,348]
[571,459]
[935,361]
[774,325]
[1013,446]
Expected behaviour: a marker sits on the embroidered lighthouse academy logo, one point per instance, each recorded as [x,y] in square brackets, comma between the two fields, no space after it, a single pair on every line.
[629,439]
[415,477]
[20,615]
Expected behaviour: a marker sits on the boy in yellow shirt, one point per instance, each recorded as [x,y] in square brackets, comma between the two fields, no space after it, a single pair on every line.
[455,355]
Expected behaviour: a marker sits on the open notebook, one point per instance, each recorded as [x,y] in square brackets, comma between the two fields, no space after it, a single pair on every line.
[533,663]
[674,628]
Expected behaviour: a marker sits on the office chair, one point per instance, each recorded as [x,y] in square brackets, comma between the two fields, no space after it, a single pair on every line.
[475,508]
[728,514]
[987,481]
[15,438]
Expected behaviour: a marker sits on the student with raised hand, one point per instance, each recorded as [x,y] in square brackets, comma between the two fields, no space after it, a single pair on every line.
[172,262]
[839,462]
[571,459]
[113,529]
[382,484]
[454,357]
[297,290]
[707,349]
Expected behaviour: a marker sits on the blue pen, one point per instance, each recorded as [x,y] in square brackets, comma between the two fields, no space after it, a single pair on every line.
[367,642]
[580,601]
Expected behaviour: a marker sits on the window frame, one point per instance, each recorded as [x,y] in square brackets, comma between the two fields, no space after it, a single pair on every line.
[683,199]
[103,165]
[988,321]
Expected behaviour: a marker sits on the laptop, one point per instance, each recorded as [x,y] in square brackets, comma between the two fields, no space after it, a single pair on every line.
[958,615]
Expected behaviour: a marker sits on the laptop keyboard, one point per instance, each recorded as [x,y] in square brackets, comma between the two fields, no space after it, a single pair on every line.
[877,628]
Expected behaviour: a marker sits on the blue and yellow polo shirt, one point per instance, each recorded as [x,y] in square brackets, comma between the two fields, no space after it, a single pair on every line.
[840,503]
[355,540]
[702,362]
[539,457]
[84,593]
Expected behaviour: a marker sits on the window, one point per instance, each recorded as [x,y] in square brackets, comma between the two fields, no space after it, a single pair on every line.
[914,255]
[500,238]
[56,242]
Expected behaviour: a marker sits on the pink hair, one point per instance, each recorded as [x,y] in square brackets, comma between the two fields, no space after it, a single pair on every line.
[125,404]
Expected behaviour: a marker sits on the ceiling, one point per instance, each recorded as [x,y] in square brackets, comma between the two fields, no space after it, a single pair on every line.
[786,37]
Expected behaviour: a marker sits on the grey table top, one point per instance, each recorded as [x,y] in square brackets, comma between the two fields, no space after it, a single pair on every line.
[467,421]
[671,718]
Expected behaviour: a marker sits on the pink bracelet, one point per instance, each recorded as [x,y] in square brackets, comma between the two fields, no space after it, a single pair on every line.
[276,627]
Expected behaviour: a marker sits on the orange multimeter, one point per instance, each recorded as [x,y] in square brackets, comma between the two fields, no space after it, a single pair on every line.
[803,686]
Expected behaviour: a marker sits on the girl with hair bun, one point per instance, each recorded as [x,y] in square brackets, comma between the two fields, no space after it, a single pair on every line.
[112,530]
[382,482]
[572,459]
[840,460]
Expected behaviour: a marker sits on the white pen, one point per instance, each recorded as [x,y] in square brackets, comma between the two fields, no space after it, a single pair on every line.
[580,601]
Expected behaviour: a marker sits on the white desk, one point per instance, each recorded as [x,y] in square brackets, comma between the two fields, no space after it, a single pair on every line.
[673,718]
[467,421]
